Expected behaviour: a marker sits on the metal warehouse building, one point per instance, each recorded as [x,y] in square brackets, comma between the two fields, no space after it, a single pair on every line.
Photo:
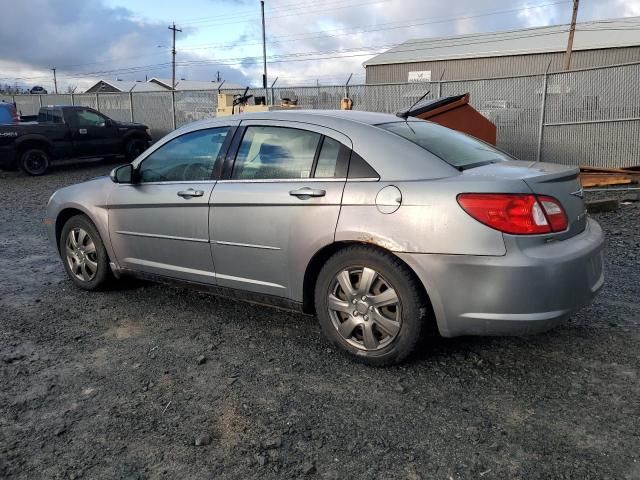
[507,53]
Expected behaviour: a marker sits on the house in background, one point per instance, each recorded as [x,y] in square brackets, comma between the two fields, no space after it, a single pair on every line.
[156,85]
[123,86]
[183,84]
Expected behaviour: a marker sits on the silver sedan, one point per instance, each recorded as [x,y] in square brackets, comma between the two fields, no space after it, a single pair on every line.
[387,229]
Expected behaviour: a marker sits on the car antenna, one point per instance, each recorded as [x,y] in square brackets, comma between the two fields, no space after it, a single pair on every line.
[405,115]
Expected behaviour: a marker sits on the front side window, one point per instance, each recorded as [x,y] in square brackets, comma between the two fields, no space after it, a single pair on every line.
[187,158]
[275,153]
[87,118]
[457,149]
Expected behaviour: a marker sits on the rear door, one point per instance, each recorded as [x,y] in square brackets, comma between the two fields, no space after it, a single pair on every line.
[277,205]
[160,224]
[94,135]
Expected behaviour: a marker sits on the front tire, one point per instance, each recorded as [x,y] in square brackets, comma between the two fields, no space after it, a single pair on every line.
[134,148]
[370,305]
[83,254]
[34,161]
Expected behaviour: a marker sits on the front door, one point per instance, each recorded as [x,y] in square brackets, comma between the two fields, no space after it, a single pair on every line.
[160,224]
[94,134]
[277,206]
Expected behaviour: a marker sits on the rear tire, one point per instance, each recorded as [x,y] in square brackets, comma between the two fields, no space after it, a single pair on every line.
[83,254]
[379,320]
[134,148]
[34,161]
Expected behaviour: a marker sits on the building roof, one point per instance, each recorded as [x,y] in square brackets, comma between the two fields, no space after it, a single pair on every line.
[621,32]
[126,86]
[157,85]
[193,84]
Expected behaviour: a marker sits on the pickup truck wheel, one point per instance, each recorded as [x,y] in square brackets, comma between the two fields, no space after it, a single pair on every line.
[34,161]
[83,254]
[370,305]
[135,147]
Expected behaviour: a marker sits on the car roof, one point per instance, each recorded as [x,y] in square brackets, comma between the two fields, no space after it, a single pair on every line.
[382,149]
[371,118]
[344,121]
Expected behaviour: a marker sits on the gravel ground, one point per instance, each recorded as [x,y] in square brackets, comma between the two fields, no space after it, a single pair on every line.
[149,381]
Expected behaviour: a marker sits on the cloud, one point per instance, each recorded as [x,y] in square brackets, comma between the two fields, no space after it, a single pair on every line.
[86,37]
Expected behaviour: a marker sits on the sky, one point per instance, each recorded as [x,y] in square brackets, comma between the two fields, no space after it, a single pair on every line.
[308,41]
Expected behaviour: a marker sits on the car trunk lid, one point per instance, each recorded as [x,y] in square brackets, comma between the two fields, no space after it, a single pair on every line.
[558,181]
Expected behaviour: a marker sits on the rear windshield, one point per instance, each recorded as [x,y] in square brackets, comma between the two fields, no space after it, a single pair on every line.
[457,149]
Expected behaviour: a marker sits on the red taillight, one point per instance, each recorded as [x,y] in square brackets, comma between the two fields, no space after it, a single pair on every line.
[518,214]
[555,213]
[14,114]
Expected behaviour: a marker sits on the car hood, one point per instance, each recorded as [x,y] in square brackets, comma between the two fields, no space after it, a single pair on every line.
[130,124]
[90,193]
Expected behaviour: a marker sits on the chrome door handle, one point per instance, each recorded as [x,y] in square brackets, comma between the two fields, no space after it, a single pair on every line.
[189,193]
[306,192]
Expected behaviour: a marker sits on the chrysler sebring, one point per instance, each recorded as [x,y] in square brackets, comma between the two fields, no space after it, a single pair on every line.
[385,228]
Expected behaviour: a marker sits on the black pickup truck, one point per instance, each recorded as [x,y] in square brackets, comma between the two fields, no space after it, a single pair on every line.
[66,132]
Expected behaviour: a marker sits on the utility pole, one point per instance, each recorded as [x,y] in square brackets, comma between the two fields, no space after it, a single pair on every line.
[572,29]
[55,80]
[264,54]
[218,76]
[173,54]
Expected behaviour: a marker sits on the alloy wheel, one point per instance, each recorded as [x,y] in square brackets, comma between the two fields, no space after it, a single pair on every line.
[364,308]
[35,162]
[81,254]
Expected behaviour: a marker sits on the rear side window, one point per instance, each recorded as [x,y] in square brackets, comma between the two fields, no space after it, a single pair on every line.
[328,158]
[50,116]
[275,153]
[457,149]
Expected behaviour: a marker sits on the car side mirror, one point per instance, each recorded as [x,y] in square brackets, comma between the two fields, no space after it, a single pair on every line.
[122,174]
[108,122]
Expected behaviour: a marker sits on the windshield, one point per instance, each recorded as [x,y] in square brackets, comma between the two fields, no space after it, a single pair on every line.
[457,149]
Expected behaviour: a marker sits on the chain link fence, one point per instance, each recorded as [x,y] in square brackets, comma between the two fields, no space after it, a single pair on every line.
[583,117]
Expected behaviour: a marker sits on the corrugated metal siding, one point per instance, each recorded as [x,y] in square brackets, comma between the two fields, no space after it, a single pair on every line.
[492,67]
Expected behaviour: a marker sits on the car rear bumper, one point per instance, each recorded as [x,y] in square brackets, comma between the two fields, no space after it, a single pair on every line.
[528,290]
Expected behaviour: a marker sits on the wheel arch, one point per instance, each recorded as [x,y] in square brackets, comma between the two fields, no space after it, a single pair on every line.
[322,255]
[133,135]
[64,216]
[33,142]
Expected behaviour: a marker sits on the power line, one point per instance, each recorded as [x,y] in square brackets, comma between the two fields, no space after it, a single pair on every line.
[403,24]
[297,11]
[314,56]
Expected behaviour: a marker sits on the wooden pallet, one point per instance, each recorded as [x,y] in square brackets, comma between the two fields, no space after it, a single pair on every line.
[604,177]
